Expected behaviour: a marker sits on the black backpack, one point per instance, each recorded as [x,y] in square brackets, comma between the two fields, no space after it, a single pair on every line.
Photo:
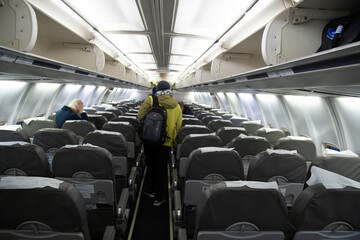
[153,127]
[340,31]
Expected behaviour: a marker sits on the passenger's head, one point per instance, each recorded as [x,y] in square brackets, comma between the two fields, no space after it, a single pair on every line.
[162,86]
[76,104]
[154,90]
[181,103]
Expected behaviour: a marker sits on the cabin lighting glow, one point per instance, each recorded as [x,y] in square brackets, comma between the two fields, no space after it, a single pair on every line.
[131,42]
[189,46]
[186,60]
[142,58]
[120,14]
[147,66]
[48,86]
[208,18]
[11,84]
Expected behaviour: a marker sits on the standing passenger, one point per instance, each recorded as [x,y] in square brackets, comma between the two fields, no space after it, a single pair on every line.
[157,156]
[74,111]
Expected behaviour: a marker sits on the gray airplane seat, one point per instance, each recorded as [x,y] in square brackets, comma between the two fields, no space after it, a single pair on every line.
[51,139]
[188,116]
[98,120]
[187,130]
[251,126]
[23,159]
[116,144]
[216,124]
[133,110]
[202,115]
[195,141]
[41,208]
[271,134]
[32,125]
[91,169]
[227,134]
[131,119]
[89,110]
[237,121]
[190,121]
[208,118]
[12,135]
[130,114]
[79,127]
[328,208]
[207,166]
[287,168]
[123,109]
[248,147]
[114,110]
[242,210]
[107,114]
[98,107]
[303,145]
[227,116]
[344,163]
[128,131]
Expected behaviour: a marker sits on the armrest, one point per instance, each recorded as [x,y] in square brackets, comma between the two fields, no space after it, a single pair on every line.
[132,177]
[175,178]
[109,233]
[177,205]
[182,235]
[121,207]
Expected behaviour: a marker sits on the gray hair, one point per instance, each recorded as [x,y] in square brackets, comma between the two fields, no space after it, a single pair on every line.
[74,102]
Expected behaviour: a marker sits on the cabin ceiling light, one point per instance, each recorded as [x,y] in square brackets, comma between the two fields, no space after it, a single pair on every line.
[189,46]
[186,60]
[208,17]
[142,58]
[130,42]
[147,66]
[110,15]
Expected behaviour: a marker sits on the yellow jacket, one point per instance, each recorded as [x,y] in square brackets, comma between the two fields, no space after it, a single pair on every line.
[174,116]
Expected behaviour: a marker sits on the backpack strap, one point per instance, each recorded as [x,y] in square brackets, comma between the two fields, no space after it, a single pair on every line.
[155,100]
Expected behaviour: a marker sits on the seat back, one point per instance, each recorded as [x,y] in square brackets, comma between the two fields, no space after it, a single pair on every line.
[11,135]
[116,144]
[237,121]
[271,134]
[79,127]
[227,134]
[287,168]
[23,159]
[209,118]
[108,115]
[216,124]
[320,213]
[304,146]
[91,170]
[190,121]
[251,126]
[226,211]
[248,147]
[98,120]
[128,131]
[131,119]
[41,208]
[32,125]
[347,165]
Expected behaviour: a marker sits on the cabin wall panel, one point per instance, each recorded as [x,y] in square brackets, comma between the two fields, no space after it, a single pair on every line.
[312,116]
[64,97]
[348,114]
[11,93]
[38,100]
[251,107]
[273,111]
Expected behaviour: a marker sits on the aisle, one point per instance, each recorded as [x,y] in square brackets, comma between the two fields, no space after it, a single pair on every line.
[150,222]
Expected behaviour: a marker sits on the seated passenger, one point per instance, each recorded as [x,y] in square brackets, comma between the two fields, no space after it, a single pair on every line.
[74,111]
[185,109]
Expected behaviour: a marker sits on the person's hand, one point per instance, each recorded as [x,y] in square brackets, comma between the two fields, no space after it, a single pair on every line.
[80,107]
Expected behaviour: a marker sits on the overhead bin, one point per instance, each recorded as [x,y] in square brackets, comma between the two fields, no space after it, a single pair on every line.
[18,25]
[294,33]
